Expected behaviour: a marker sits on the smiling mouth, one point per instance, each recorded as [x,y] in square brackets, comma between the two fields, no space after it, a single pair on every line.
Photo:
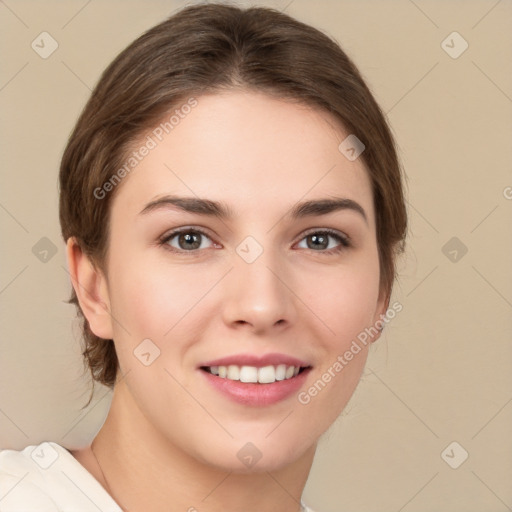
[253,374]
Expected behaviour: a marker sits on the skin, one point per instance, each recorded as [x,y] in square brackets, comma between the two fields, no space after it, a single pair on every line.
[159,446]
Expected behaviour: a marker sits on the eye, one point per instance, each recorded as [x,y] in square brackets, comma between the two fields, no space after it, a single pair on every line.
[186,240]
[319,241]
[193,239]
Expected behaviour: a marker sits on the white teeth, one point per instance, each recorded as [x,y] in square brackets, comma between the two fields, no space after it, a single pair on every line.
[233,372]
[248,374]
[281,372]
[264,375]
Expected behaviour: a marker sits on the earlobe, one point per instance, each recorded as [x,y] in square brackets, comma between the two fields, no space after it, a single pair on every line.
[91,289]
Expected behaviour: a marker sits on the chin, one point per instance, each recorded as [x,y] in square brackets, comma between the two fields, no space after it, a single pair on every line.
[257,454]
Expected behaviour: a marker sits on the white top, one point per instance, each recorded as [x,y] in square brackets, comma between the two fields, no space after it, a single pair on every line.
[47,478]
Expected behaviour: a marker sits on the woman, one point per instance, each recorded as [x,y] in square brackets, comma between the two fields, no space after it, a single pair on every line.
[232,205]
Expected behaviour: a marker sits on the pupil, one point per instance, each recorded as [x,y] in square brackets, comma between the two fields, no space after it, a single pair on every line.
[321,239]
[190,239]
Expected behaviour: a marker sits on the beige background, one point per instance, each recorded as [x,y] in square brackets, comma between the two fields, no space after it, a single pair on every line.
[442,370]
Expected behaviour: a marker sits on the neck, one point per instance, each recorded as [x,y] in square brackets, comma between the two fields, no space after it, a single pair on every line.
[145,471]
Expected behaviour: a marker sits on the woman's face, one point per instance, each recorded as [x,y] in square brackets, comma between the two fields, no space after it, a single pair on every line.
[262,286]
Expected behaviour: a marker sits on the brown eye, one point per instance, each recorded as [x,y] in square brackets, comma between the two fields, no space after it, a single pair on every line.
[320,241]
[186,240]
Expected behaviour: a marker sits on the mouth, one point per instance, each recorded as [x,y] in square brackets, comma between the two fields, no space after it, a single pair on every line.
[253,374]
[256,381]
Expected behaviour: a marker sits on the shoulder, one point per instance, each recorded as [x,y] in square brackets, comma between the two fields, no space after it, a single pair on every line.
[22,479]
[16,492]
[47,478]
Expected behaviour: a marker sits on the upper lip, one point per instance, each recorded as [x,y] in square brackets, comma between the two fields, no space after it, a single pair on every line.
[257,361]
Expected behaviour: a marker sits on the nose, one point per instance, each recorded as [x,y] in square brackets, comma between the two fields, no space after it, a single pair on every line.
[258,295]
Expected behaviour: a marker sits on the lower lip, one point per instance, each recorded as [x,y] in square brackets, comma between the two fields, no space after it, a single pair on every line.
[254,394]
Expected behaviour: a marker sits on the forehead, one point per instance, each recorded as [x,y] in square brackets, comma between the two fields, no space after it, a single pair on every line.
[248,150]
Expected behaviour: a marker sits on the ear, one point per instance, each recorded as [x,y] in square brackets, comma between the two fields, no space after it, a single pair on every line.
[380,311]
[91,289]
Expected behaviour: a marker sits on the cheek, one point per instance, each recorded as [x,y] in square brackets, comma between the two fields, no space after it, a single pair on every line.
[344,300]
[144,296]
[156,300]
[346,306]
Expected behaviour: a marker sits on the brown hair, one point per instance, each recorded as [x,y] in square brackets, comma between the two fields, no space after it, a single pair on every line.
[203,49]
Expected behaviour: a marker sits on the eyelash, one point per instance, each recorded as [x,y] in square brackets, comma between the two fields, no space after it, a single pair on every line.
[344,241]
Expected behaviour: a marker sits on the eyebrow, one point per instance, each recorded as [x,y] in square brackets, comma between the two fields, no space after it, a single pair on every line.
[222,211]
